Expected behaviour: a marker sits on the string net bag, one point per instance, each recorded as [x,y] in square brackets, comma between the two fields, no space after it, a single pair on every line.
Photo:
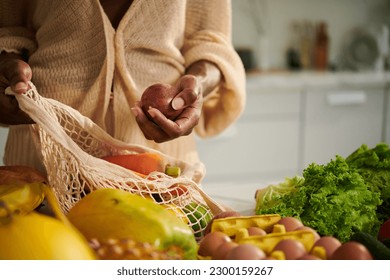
[72,147]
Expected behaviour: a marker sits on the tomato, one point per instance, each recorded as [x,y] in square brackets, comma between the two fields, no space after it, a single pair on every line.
[177,190]
[171,194]
[384,231]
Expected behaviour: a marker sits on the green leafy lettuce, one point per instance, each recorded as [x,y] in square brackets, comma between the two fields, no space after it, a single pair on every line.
[374,166]
[339,198]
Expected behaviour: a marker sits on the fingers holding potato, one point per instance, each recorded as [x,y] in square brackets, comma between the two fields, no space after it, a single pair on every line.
[167,112]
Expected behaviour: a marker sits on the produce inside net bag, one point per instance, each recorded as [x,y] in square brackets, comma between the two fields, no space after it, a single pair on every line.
[73,147]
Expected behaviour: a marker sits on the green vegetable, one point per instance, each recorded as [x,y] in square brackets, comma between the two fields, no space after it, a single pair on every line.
[386,242]
[377,249]
[199,216]
[173,171]
[334,199]
[374,166]
[271,197]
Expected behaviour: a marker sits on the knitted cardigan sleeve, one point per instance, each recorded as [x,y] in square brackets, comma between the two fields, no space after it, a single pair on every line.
[15,36]
[208,37]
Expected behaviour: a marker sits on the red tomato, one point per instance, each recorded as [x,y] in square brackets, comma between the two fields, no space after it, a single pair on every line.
[174,192]
[384,231]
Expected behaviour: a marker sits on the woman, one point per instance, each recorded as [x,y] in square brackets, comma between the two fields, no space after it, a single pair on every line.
[99,56]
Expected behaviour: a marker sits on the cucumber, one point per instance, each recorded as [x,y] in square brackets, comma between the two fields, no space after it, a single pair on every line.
[377,249]
[386,242]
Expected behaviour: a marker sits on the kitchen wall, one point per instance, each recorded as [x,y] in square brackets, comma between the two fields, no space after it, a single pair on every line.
[275,17]
[289,121]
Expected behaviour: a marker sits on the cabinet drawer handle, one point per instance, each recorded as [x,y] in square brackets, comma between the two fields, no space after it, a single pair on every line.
[346,98]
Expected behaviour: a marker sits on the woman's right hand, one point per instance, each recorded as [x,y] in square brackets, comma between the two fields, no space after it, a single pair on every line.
[16,73]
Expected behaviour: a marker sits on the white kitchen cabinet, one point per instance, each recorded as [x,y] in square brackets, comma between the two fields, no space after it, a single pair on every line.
[261,145]
[294,119]
[339,120]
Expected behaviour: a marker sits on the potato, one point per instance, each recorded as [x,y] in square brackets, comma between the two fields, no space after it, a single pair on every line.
[160,96]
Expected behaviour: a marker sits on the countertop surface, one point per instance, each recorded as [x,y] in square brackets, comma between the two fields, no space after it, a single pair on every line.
[238,196]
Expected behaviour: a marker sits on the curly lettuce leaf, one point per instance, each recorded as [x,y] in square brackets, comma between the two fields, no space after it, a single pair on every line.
[333,199]
[374,166]
[271,197]
[340,202]
[375,158]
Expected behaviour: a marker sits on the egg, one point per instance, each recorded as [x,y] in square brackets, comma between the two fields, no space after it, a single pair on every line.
[222,250]
[245,252]
[269,258]
[329,245]
[292,249]
[309,257]
[351,250]
[256,231]
[290,223]
[210,242]
[315,233]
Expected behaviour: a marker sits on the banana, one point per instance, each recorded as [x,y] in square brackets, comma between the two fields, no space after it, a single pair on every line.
[21,198]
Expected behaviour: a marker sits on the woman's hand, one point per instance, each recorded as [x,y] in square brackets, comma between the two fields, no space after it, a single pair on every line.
[16,73]
[201,78]
[160,128]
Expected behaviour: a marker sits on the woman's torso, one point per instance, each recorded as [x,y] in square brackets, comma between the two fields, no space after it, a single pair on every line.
[85,62]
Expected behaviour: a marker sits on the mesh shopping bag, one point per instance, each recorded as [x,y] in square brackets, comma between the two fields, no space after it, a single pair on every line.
[72,147]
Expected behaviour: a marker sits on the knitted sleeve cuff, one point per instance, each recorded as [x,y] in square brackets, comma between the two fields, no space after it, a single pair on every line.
[17,40]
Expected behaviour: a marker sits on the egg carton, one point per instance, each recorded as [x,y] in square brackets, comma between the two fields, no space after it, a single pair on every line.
[237,229]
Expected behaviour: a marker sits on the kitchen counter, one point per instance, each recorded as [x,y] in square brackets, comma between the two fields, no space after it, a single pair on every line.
[235,195]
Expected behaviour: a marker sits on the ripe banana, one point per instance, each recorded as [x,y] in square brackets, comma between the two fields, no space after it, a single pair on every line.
[21,198]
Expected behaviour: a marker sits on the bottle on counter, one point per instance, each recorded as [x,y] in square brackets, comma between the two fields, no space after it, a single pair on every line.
[293,55]
[307,38]
[321,47]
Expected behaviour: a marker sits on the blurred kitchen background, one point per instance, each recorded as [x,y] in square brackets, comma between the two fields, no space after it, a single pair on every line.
[270,28]
[317,85]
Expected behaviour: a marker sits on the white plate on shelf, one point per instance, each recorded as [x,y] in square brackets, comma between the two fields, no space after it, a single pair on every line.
[361,50]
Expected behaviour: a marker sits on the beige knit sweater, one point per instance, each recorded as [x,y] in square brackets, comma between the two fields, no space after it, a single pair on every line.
[79,59]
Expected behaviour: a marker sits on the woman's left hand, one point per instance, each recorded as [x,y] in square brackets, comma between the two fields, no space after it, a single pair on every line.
[160,129]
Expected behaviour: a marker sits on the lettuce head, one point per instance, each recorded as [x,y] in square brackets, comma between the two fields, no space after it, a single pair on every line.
[333,199]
